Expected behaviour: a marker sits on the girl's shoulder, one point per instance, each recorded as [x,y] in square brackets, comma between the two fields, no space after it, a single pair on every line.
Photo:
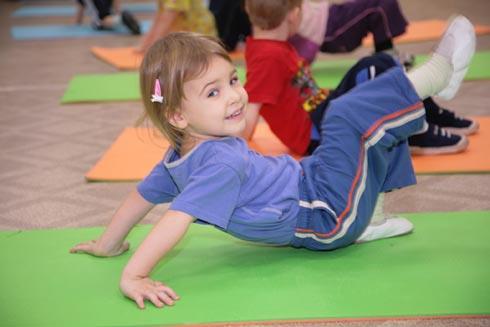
[223,150]
[230,151]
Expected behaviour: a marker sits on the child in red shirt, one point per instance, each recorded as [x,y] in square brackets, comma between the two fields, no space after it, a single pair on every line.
[273,80]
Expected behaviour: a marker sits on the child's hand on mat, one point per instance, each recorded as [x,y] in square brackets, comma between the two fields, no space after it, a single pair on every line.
[140,289]
[94,248]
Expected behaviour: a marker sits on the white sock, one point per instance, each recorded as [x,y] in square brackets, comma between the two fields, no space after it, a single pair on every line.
[382,226]
[378,213]
[432,76]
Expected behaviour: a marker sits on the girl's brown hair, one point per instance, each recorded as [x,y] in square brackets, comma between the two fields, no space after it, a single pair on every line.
[173,60]
[269,14]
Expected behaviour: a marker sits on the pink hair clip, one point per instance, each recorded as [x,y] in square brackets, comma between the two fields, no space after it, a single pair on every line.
[157,93]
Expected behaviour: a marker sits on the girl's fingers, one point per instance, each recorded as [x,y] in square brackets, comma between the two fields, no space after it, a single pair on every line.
[154,299]
[161,287]
[140,302]
[165,298]
[170,292]
[82,247]
[156,292]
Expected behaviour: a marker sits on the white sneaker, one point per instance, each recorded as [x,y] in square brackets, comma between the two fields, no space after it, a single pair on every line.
[458,45]
[388,227]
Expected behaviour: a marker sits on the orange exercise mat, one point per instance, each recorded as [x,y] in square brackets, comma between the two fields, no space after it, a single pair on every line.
[121,58]
[137,150]
[476,159]
[426,30]
[129,59]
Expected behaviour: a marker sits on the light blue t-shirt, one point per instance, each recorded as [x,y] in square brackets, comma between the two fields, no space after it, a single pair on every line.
[224,183]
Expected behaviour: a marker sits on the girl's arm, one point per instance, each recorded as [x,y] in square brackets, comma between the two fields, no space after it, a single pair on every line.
[160,27]
[111,242]
[135,282]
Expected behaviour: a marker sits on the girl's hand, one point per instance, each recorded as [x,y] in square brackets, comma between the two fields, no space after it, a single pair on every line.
[140,289]
[94,248]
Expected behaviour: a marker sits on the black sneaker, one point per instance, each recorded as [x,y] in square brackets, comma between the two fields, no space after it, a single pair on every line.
[450,121]
[130,22]
[436,140]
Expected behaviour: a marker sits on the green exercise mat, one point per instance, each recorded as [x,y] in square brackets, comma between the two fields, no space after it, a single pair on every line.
[441,269]
[103,88]
[124,86]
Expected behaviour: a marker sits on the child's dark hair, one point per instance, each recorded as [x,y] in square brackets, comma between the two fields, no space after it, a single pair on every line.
[269,14]
[174,60]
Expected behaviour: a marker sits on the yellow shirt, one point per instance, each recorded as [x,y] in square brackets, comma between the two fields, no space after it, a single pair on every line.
[194,16]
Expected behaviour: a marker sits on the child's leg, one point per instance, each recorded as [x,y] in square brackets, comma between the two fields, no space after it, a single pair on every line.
[382,225]
[360,146]
[349,22]
[364,70]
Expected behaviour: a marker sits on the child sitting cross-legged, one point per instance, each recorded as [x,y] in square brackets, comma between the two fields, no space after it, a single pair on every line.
[193,96]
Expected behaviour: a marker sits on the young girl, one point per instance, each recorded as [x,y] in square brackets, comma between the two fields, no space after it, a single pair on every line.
[193,96]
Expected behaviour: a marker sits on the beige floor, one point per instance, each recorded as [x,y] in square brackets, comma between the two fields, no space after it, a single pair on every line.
[47,147]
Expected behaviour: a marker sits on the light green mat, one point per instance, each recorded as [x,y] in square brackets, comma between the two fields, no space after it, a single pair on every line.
[103,87]
[124,86]
[442,268]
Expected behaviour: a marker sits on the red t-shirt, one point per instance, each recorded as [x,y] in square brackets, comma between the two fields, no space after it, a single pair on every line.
[279,79]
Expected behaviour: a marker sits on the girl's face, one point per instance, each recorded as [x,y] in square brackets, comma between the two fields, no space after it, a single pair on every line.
[214,104]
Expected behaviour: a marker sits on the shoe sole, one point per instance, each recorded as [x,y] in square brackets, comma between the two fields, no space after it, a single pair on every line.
[458,147]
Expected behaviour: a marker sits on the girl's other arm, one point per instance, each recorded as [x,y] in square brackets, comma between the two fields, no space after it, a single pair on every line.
[111,242]
[251,120]
[135,282]
[160,27]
